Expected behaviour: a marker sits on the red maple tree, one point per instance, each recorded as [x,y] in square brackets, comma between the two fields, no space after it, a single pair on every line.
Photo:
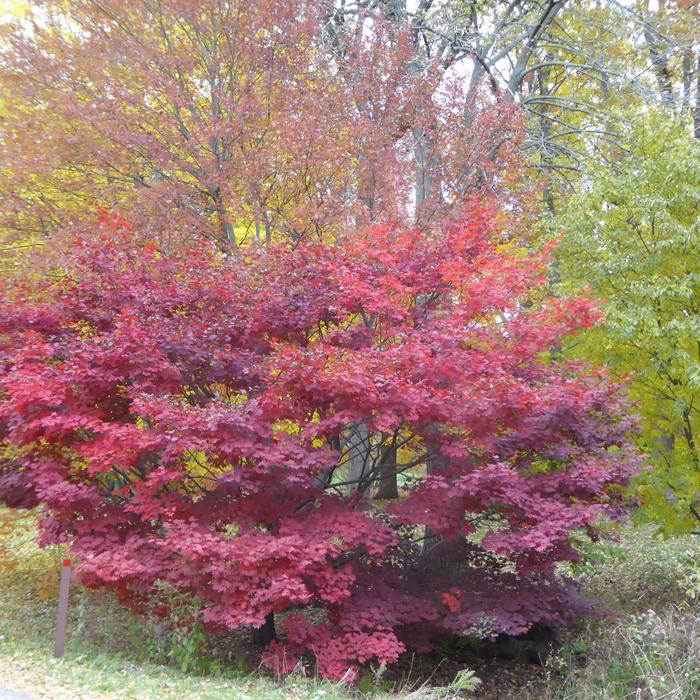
[227,426]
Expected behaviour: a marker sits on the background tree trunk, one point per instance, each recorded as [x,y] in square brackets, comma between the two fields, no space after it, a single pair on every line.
[431,540]
[358,447]
[387,486]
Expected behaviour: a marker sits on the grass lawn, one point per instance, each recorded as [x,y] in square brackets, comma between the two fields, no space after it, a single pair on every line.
[107,652]
[649,647]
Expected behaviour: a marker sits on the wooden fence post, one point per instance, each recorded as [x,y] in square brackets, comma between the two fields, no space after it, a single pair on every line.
[62,614]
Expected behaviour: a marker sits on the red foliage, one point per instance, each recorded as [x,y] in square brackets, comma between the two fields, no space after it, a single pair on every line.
[184,419]
[197,116]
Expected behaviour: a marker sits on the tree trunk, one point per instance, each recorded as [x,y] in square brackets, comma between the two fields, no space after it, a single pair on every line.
[358,448]
[434,464]
[387,486]
[546,134]
[227,238]
[687,78]
[659,63]
[428,193]
[690,439]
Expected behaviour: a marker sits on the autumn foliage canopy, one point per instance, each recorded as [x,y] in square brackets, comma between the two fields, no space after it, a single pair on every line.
[376,430]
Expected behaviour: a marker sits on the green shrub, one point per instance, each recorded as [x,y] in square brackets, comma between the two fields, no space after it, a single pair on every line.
[634,568]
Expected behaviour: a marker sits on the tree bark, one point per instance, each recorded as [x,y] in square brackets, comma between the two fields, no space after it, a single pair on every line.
[687,78]
[227,236]
[387,486]
[432,540]
[428,186]
[358,449]
[660,66]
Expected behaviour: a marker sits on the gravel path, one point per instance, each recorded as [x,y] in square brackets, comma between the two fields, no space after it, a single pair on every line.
[6,694]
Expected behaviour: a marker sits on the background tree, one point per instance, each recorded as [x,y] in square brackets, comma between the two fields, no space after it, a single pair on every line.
[232,120]
[360,73]
[631,239]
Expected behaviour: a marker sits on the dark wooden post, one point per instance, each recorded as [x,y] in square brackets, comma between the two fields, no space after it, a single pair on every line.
[62,614]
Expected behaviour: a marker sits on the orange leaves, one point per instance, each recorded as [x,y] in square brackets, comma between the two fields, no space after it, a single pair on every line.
[452,600]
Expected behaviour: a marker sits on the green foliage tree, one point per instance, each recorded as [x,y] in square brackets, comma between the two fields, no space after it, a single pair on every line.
[632,237]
